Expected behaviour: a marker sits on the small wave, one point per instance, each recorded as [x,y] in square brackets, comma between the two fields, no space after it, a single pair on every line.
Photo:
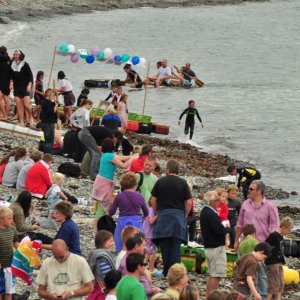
[10,34]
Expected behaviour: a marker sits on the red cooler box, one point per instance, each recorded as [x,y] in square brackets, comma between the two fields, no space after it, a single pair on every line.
[161,129]
[133,126]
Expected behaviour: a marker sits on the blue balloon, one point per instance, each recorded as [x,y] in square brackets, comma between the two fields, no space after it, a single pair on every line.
[118,58]
[90,59]
[135,60]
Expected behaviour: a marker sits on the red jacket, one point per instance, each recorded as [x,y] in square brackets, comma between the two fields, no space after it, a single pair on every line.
[2,168]
[38,179]
[137,165]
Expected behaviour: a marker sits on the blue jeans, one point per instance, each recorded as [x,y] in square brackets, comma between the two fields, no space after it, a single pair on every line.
[89,142]
[262,281]
[170,252]
[48,129]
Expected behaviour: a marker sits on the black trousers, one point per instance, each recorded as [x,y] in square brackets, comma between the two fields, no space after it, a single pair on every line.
[189,127]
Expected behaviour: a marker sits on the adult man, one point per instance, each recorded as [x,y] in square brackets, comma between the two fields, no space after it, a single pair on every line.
[244,177]
[147,179]
[65,275]
[38,179]
[137,164]
[186,74]
[132,79]
[129,287]
[213,233]
[91,137]
[164,74]
[263,214]
[172,200]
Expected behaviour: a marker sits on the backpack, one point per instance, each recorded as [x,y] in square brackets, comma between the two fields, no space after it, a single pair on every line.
[140,183]
[69,169]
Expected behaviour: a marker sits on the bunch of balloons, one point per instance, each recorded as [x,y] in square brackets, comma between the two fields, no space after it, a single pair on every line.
[101,55]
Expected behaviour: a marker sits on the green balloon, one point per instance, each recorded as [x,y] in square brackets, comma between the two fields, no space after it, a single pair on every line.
[64,48]
[100,55]
[82,55]
[125,57]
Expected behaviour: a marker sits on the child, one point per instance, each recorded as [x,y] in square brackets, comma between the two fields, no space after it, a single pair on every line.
[249,241]
[151,249]
[111,280]
[127,232]
[122,111]
[8,240]
[101,261]
[246,268]
[234,207]
[55,193]
[83,96]
[223,211]
[4,161]
[38,94]
[190,113]
[276,260]
[81,117]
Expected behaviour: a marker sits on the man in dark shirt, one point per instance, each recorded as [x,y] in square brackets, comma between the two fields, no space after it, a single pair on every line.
[92,137]
[133,79]
[213,233]
[190,113]
[244,177]
[172,200]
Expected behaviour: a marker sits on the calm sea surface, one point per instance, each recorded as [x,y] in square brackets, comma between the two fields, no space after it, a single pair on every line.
[248,56]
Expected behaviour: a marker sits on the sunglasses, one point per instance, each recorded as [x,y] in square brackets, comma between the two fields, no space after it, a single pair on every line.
[252,189]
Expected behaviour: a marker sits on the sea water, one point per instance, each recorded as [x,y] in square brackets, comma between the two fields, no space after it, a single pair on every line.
[247,55]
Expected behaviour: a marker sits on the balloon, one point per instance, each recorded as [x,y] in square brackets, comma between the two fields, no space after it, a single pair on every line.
[107,52]
[135,60]
[95,50]
[90,58]
[82,53]
[117,58]
[111,58]
[63,48]
[74,58]
[100,55]
[125,57]
[71,48]
[143,62]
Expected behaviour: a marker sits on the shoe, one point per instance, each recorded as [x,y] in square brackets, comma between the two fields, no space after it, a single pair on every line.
[157,273]
[24,296]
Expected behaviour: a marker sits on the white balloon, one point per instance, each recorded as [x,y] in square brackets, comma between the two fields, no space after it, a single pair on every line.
[82,51]
[107,52]
[72,48]
[142,62]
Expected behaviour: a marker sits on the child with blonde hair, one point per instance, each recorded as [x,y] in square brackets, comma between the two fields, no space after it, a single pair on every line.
[55,193]
[8,240]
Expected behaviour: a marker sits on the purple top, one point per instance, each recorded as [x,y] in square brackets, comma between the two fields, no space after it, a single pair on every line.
[264,218]
[129,203]
[148,228]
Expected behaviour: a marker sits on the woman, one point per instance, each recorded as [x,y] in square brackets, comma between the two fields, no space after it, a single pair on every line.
[177,280]
[130,203]
[65,88]
[23,83]
[4,161]
[38,94]
[21,209]
[122,111]
[14,167]
[68,231]
[81,117]
[104,182]
[5,77]
[48,119]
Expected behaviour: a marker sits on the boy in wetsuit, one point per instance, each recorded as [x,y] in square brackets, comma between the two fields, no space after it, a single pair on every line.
[190,113]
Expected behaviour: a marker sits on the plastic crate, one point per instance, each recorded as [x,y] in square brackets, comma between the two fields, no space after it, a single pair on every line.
[143,119]
[189,262]
[132,116]
[189,250]
[97,112]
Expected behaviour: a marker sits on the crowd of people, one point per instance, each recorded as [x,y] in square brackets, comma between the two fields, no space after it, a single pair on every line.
[153,213]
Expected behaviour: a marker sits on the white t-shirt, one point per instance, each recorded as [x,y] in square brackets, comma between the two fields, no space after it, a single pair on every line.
[162,72]
[70,275]
[66,83]
[119,258]
[111,297]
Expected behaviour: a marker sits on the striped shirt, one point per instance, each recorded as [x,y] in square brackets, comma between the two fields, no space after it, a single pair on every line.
[7,237]
[265,218]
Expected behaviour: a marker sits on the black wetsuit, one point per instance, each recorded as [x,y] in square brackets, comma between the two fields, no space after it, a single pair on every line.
[244,178]
[234,207]
[190,120]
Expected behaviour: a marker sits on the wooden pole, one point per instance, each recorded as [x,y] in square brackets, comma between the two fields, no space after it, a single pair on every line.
[51,69]
[146,88]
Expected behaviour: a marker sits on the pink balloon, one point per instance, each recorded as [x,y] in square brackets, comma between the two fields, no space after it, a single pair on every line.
[74,58]
[111,57]
[95,50]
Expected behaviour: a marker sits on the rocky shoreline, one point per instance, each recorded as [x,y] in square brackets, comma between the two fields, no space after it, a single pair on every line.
[199,168]
[28,10]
